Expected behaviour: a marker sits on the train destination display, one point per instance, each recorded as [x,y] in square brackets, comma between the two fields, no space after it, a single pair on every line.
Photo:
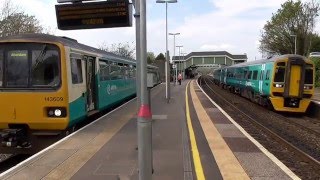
[105,14]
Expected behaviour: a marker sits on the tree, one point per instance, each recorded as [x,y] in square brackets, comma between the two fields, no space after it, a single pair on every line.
[160,57]
[315,47]
[150,57]
[14,21]
[293,18]
[121,49]
[315,43]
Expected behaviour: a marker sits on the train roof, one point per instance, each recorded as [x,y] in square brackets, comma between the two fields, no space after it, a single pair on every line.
[262,61]
[63,40]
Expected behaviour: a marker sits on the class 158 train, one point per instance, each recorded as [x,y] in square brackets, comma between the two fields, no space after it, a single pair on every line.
[284,83]
[49,84]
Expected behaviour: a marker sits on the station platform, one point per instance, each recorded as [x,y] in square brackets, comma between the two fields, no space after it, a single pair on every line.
[193,138]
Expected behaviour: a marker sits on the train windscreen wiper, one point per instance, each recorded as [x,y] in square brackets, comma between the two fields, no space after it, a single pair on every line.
[40,57]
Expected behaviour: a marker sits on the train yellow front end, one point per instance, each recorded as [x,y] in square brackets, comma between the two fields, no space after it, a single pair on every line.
[293,84]
[33,90]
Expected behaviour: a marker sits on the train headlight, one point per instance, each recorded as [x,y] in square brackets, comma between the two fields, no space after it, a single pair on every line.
[56,112]
[278,85]
[307,87]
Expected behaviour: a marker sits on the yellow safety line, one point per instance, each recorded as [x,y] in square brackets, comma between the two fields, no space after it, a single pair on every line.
[194,148]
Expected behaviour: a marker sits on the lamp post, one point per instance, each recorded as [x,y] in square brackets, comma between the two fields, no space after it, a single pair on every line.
[295,43]
[174,51]
[167,66]
[179,58]
[183,64]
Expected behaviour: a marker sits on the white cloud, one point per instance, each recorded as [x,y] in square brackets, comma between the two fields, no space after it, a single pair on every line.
[233,7]
[214,47]
[231,25]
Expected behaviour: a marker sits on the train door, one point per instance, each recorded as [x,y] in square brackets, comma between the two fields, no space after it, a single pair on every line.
[295,79]
[90,77]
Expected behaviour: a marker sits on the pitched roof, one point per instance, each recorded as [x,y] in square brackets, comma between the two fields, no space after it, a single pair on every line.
[211,53]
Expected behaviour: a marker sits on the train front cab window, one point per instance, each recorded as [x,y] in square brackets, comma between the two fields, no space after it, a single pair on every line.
[308,80]
[279,75]
[45,69]
[29,65]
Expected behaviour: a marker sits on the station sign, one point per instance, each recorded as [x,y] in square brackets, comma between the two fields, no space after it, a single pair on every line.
[102,14]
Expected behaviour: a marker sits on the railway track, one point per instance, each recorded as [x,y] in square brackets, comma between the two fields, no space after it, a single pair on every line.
[300,121]
[294,155]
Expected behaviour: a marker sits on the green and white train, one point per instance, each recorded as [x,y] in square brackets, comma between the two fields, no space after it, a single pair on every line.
[285,82]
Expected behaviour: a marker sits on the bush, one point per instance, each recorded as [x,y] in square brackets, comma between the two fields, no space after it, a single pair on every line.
[316,61]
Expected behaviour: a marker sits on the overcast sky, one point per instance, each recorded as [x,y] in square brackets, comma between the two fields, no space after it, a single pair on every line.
[204,25]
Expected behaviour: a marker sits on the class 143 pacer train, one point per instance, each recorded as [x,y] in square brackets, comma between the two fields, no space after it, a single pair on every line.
[49,84]
[284,83]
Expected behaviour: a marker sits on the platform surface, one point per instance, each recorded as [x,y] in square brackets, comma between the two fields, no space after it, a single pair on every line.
[192,138]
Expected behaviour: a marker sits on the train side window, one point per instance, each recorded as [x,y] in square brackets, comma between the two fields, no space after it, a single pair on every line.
[255,75]
[130,71]
[134,71]
[249,75]
[104,70]
[126,71]
[1,68]
[114,71]
[76,71]
[121,71]
[268,75]
[245,74]
[261,74]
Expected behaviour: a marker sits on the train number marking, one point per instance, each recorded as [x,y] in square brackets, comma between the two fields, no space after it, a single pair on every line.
[53,99]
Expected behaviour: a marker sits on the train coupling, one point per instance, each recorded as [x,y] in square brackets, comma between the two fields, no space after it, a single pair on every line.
[14,138]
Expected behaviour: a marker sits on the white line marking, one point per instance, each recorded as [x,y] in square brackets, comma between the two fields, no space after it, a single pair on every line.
[62,140]
[264,150]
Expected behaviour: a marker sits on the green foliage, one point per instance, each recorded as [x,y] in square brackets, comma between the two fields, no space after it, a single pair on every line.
[316,61]
[315,47]
[160,57]
[150,57]
[293,18]
[315,43]
[121,49]
[14,21]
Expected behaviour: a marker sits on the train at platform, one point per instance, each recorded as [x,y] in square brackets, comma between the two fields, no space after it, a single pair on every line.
[49,84]
[283,83]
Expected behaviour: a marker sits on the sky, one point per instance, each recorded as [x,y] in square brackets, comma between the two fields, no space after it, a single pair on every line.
[204,25]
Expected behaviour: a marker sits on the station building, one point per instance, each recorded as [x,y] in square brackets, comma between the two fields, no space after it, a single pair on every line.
[206,61]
